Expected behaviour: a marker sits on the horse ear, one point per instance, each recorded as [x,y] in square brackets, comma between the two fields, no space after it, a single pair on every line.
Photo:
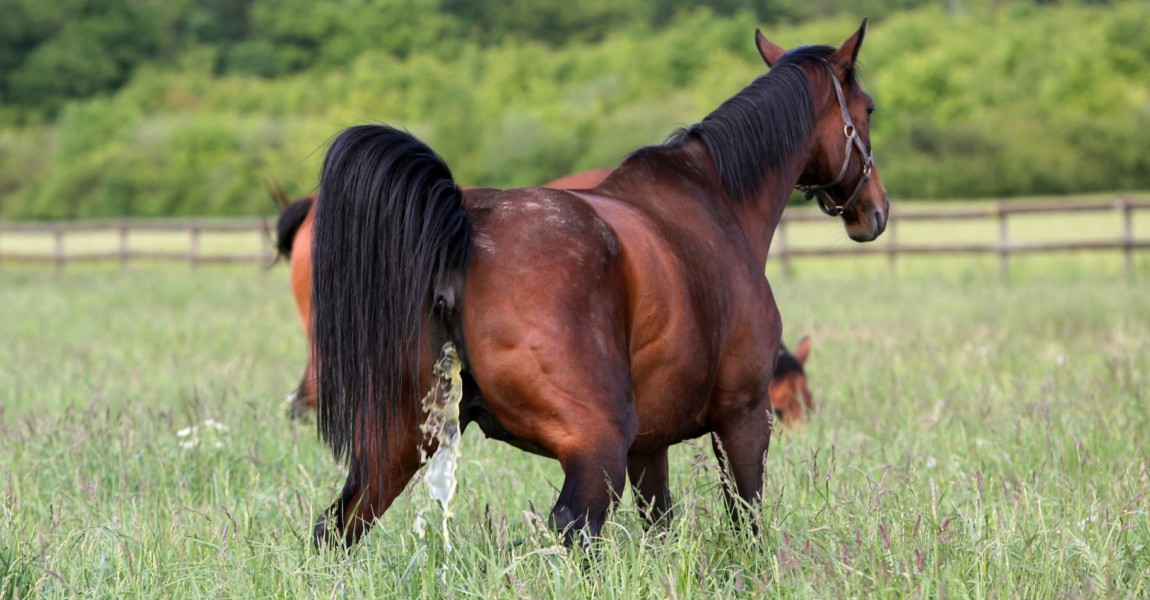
[276,191]
[848,53]
[770,52]
[804,350]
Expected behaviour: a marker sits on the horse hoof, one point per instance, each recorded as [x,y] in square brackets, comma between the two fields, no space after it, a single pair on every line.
[562,520]
[574,530]
[324,537]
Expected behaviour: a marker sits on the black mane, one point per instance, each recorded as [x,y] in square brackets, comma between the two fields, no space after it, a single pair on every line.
[760,127]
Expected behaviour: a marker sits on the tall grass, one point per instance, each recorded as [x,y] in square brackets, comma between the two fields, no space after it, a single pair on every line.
[973,438]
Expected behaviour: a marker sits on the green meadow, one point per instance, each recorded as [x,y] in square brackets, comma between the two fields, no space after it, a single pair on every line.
[974,437]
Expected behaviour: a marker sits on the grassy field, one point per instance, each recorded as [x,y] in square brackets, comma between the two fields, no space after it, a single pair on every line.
[974,437]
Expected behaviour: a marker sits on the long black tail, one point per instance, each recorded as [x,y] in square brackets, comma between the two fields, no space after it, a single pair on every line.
[290,219]
[389,228]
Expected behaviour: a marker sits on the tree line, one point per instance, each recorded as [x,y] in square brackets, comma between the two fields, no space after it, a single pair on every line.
[182,107]
[72,49]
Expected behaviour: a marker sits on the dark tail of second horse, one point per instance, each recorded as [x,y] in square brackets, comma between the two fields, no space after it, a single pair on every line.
[390,232]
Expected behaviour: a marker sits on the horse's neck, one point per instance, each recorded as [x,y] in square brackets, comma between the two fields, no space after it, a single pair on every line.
[688,172]
[757,217]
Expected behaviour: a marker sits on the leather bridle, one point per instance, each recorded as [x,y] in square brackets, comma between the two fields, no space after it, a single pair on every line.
[826,204]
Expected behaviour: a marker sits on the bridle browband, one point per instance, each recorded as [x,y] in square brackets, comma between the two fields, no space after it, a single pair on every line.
[826,204]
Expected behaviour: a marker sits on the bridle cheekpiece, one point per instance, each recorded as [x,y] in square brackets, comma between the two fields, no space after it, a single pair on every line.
[826,204]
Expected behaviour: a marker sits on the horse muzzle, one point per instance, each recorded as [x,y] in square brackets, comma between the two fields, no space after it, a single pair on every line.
[868,220]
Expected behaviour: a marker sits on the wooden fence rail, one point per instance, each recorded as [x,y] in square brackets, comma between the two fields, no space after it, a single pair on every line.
[1003,247]
[781,250]
[123,230]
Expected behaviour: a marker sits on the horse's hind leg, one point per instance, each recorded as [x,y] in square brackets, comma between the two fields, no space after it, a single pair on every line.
[650,484]
[586,422]
[558,380]
[375,478]
[595,474]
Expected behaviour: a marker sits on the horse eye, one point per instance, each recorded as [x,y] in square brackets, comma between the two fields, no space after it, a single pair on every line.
[869,111]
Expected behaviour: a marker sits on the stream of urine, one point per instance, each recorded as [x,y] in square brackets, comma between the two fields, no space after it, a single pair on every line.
[441,405]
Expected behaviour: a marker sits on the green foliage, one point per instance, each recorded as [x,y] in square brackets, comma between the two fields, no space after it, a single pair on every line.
[549,21]
[76,51]
[1041,110]
[974,99]
[89,136]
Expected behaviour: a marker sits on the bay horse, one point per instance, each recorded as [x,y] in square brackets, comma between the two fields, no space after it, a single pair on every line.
[791,397]
[597,327]
[293,243]
[789,391]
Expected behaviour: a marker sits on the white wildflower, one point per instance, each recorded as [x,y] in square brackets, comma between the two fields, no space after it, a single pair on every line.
[189,437]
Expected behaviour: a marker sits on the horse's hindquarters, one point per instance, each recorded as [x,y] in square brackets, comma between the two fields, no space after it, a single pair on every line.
[544,326]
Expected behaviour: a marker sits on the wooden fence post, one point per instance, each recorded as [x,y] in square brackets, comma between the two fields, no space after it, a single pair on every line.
[266,242]
[1127,235]
[124,254]
[58,234]
[891,245]
[194,250]
[1003,242]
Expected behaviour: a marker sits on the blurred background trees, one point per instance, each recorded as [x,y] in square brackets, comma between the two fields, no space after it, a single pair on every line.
[184,107]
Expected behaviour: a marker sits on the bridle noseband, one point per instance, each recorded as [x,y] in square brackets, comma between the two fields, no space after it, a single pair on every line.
[853,141]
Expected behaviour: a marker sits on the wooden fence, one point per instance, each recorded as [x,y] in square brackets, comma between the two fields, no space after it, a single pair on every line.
[889,245]
[125,230]
[1001,213]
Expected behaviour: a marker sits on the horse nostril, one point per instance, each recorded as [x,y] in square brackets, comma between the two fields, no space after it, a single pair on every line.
[879,221]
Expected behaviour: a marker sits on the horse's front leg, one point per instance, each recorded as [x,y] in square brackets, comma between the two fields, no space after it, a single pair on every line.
[651,485]
[377,474]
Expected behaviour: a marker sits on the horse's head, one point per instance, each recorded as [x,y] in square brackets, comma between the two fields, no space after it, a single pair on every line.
[840,172]
[790,397]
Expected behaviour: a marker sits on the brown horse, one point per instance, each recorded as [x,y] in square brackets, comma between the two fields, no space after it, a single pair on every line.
[789,389]
[598,327]
[293,242]
[790,396]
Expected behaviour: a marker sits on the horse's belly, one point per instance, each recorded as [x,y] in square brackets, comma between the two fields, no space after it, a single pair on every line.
[474,410]
[670,401]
